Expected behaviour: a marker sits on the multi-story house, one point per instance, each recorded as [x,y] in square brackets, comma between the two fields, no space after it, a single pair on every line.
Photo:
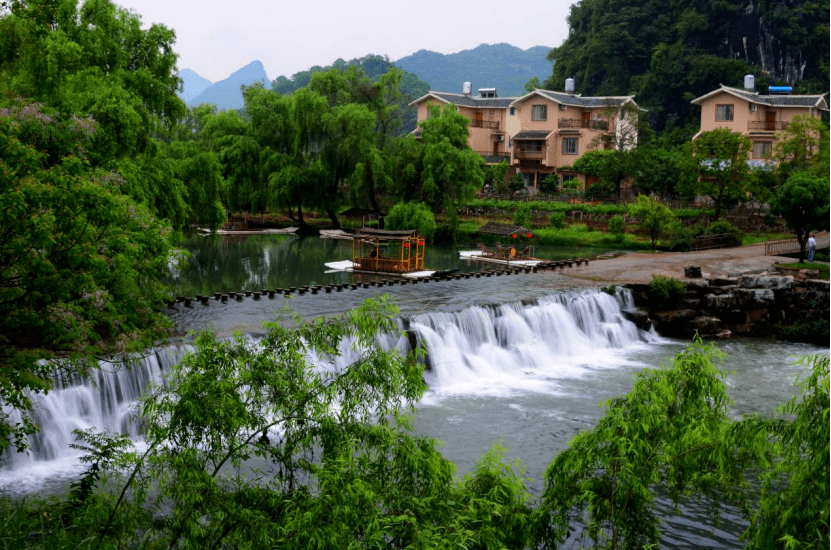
[543,132]
[756,116]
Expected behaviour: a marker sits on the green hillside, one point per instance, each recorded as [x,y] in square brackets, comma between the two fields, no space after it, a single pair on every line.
[501,66]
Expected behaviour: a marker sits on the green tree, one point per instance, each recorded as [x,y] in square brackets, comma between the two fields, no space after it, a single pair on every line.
[80,260]
[412,215]
[645,441]
[95,59]
[657,170]
[655,217]
[803,203]
[715,166]
[451,171]
[793,508]
[802,146]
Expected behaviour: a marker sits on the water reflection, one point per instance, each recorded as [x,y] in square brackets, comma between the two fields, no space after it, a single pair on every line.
[223,263]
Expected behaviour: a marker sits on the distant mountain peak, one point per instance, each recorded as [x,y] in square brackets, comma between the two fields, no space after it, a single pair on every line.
[226,94]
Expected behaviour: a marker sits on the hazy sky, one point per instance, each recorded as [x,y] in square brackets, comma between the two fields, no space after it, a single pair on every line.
[216,38]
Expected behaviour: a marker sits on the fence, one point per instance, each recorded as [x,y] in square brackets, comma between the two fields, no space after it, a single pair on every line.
[783,246]
[721,240]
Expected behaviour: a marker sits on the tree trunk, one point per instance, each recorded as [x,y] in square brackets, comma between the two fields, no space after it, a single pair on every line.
[334,217]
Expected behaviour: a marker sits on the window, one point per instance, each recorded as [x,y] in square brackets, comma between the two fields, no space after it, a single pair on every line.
[569,146]
[539,112]
[512,111]
[762,149]
[752,107]
[724,112]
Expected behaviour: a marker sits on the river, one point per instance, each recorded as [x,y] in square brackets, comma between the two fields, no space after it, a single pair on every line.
[523,359]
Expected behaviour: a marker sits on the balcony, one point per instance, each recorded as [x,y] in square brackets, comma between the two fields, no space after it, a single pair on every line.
[494,158]
[580,123]
[489,124]
[529,155]
[766,126]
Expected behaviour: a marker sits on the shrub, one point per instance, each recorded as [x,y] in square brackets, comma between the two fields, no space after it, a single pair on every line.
[522,216]
[516,183]
[600,191]
[550,184]
[723,226]
[665,293]
[616,227]
[655,217]
[412,215]
[557,220]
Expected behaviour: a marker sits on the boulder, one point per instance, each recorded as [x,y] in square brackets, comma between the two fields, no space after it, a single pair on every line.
[640,318]
[724,281]
[752,297]
[767,281]
[692,271]
[704,325]
[721,301]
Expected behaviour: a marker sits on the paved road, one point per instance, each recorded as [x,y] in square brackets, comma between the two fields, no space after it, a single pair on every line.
[638,267]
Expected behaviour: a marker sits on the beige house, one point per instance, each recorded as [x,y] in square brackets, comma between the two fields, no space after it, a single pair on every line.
[756,116]
[541,132]
[554,129]
[488,114]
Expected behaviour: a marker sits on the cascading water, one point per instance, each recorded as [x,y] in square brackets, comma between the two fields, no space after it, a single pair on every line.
[483,350]
[104,402]
[520,347]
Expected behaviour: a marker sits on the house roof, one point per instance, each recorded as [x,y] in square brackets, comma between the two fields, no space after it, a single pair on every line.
[532,134]
[772,100]
[467,100]
[576,100]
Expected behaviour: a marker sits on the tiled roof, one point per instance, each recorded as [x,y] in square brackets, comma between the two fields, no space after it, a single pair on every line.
[580,101]
[772,100]
[533,134]
[469,100]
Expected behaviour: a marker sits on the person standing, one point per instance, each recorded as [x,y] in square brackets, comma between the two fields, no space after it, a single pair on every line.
[812,247]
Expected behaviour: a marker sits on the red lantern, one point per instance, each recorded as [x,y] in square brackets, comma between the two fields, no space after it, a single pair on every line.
[406,245]
[529,235]
[514,235]
[420,243]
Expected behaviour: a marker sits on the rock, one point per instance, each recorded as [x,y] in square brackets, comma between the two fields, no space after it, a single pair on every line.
[818,284]
[724,281]
[723,335]
[692,271]
[704,325]
[752,297]
[722,301]
[697,284]
[771,282]
[640,318]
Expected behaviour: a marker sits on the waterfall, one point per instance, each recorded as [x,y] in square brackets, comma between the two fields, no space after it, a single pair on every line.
[525,347]
[105,401]
[481,349]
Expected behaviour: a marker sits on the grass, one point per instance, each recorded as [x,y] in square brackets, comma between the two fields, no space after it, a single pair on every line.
[822,268]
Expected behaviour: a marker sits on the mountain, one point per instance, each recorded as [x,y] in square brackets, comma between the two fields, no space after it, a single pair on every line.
[226,94]
[193,84]
[501,66]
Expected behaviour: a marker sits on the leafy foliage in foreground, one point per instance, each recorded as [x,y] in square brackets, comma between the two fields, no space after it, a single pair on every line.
[79,260]
[303,441]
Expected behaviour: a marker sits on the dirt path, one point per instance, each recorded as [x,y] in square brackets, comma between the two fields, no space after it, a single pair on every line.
[638,267]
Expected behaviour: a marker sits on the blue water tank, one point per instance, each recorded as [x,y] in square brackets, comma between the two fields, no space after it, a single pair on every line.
[780,89]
